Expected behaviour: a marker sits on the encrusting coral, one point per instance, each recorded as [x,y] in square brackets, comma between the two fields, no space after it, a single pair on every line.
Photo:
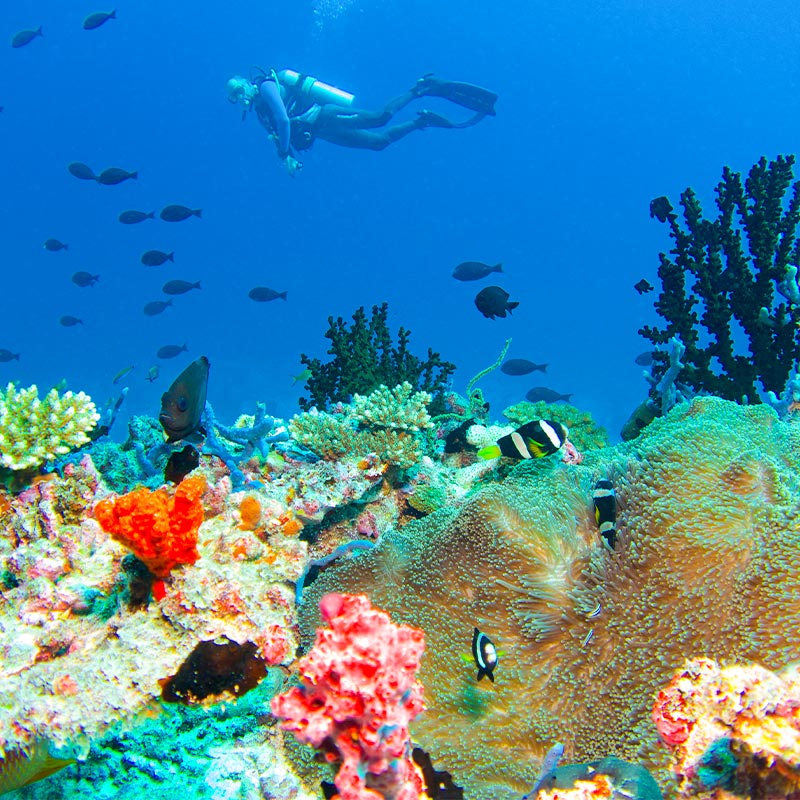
[707,562]
[584,432]
[35,430]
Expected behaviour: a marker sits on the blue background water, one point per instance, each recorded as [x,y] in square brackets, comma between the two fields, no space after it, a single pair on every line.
[603,106]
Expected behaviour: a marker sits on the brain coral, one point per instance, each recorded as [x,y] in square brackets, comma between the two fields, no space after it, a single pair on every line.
[707,563]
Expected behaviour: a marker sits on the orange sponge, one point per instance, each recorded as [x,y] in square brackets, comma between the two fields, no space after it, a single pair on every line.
[159,529]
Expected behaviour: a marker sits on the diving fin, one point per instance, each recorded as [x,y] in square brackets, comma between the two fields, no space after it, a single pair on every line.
[467,95]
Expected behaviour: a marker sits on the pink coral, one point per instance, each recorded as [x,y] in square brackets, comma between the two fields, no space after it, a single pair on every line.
[358,696]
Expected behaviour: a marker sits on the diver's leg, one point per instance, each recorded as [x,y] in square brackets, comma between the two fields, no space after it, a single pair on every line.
[339,118]
[369,140]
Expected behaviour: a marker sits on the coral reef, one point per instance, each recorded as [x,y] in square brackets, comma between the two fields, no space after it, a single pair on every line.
[364,357]
[34,431]
[706,563]
[741,271]
[607,779]
[584,432]
[358,694]
[734,728]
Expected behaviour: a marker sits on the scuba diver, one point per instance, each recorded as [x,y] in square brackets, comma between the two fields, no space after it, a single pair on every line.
[296,110]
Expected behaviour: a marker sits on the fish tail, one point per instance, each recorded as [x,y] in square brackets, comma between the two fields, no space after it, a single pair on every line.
[543,367]
[198,286]
[198,212]
[151,215]
[66,247]
[171,257]
[498,267]
[282,295]
[492,451]
[134,175]
[512,306]
[113,14]
[39,31]
[16,356]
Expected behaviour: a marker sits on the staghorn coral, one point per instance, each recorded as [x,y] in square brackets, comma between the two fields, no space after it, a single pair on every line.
[584,432]
[707,562]
[34,430]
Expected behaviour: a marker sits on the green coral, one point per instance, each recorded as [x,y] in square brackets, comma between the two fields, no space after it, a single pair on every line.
[387,422]
[584,432]
[34,431]
[365,357]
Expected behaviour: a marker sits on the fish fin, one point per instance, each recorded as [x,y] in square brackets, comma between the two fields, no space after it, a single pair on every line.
[543,367]
[198,212]
[113,14]
[171,256]
[512,306]
[534,448]
[282,295]
[498,267]
[492,451]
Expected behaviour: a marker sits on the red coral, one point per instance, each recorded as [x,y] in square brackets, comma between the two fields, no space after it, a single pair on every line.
[159,529]
[359,693]
[670,716]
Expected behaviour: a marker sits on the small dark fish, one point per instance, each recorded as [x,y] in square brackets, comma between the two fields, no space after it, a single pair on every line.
[97,19]
[456,440]
[493,302]
[155,258]
[114,175]
[536,439]
[485,655]
[25,37]
[53,245]
[661,209]
[644,359]
[643,286]
[171,350]
[82,171]
[132,217]
[604,499]
[7,355]
[521,366]
[179,287]
[122,373]
[183,403]
[262,294]
[84,279]
[474,270]
[152,374]
[156,307]
[69,322]
[176,213]
[544,394]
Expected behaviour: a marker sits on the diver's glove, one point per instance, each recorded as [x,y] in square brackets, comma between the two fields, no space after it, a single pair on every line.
[293,166]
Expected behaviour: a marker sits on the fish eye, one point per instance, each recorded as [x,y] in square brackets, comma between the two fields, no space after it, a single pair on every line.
[183,403]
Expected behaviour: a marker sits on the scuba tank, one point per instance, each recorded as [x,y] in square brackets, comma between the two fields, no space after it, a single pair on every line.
[311,89]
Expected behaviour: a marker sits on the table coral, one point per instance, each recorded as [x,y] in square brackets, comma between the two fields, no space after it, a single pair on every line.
[707,562]
[34,430]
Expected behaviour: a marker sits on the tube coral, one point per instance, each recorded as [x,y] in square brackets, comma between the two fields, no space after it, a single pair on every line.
[159,529]
[358,695]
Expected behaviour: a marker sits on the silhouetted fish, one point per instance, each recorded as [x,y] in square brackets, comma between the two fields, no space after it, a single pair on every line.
[643,286]
[156,307]
[84,279]
[132,217]
[7,355]
[644,359]
[543,393]
[172,350]
[179,287]
[493,302]
[521,366]
[53,245]
[122,373]
[152,374]
[183,403]
[474,270]
[262,294]
[97,19]
[176,213]
[661,209]
[82,171]
[69,322]
[25,37]
[155,258]
[114,175]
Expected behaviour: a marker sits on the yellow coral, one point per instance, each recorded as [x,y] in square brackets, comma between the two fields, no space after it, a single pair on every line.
[33,431]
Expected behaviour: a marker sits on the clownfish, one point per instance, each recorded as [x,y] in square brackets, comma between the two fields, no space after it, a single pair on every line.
[484,654]
[605,510]
[536,439]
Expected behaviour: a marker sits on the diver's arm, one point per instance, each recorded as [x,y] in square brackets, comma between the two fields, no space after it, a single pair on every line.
[271,95]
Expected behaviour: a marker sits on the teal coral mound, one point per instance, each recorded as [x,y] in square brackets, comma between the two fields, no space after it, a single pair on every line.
[707,562]
[584,432]
[197,752]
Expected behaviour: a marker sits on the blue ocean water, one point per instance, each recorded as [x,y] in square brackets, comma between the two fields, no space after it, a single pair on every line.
[602,107]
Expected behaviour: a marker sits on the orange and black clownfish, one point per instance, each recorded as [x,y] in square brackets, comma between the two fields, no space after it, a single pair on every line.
[536,439]
[605,510]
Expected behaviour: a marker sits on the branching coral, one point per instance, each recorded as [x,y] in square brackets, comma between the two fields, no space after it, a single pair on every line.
[34,430]
[364,357]
[741,271]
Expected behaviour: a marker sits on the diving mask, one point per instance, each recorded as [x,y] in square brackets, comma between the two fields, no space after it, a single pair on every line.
[241,90]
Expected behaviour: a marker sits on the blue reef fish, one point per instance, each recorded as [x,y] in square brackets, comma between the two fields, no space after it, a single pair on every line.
[114,175]
[644,359]
[152,374]
[474,270]
[536,439]
[98,18]
[172,350]
[84,279]
[521,366]
[155,258]
[133,217]
[182,405]
[70,322]
[53,245]
[156,307]
[263,294]
[122,373]
[493,302]
[179,287]
[661,209]
[7,355]
[301,376]
[544,394]
[604,499]
[549,765]
[177,213]
[484,655]
[81,171]
[25,37]
[643,286]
